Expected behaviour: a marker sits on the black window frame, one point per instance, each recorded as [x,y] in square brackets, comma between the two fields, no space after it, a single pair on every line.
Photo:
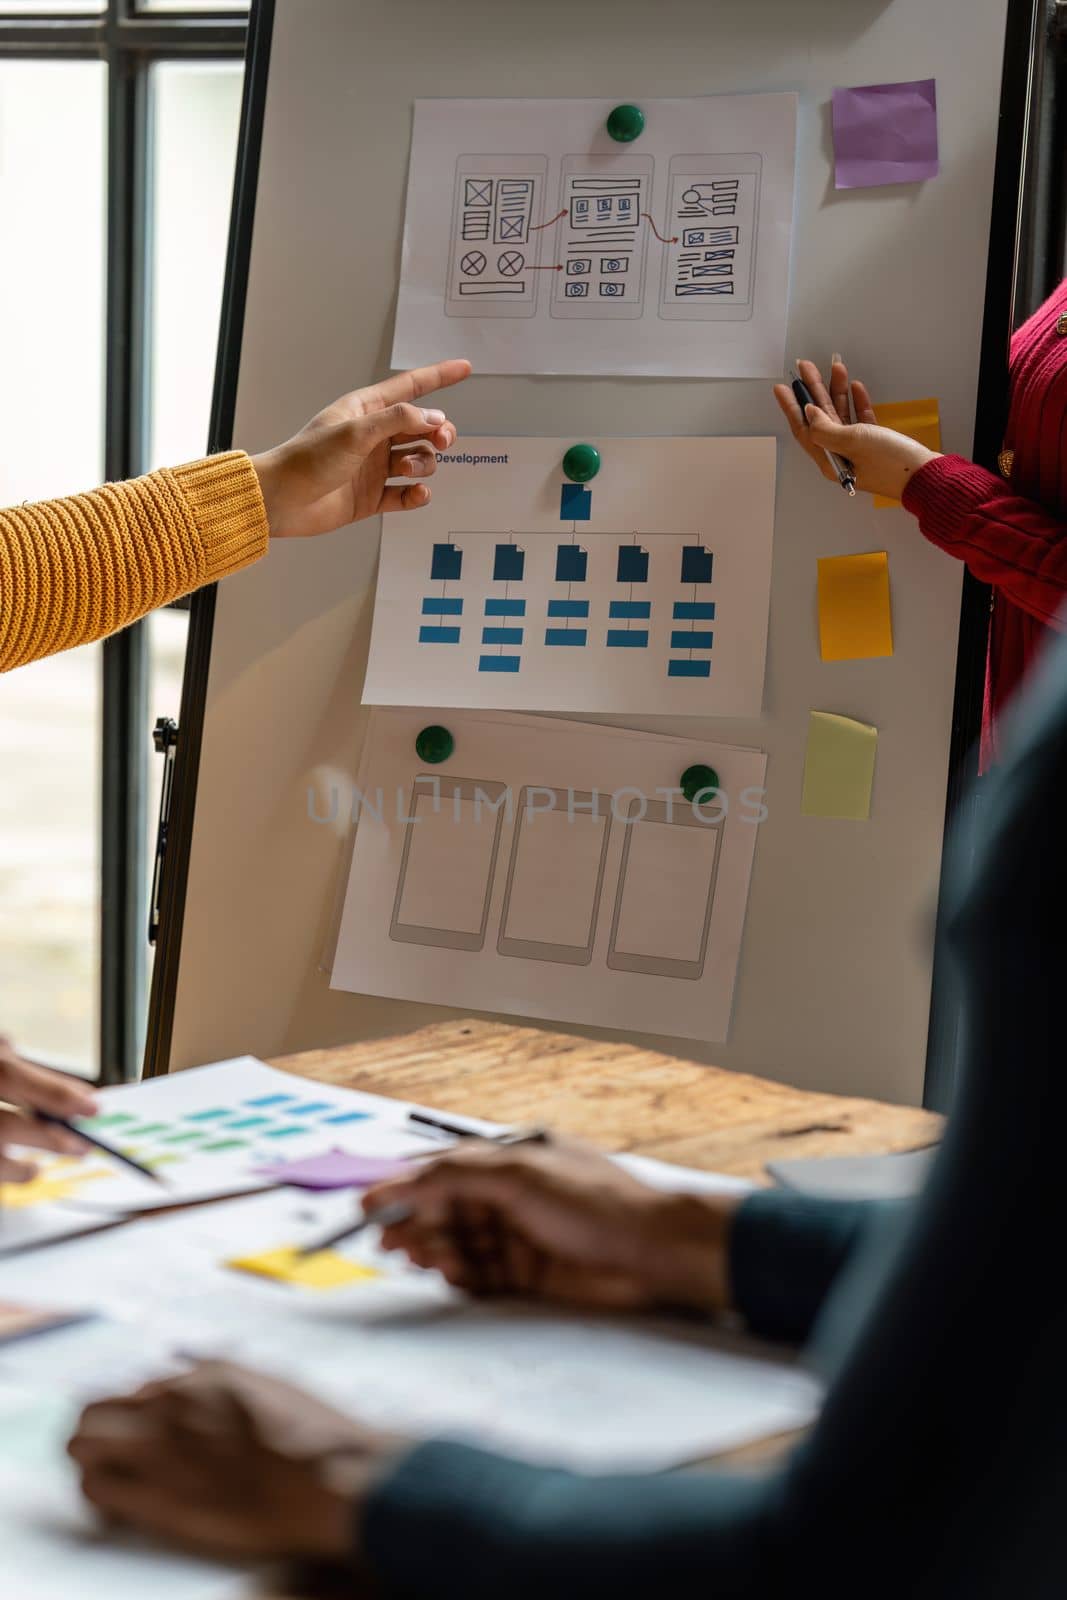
[130,42]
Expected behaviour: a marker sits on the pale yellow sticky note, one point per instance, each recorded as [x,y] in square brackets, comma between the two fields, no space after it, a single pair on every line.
[324,1270]
[838,767]
[919,419]
[855,621]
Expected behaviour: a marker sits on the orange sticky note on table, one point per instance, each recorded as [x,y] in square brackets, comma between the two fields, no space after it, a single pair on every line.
[855,622]
[919,419]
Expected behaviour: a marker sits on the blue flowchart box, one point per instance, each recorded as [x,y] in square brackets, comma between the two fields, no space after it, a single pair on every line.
[633,564]
[696,564]
[509,563]
[575,505]
[447,562]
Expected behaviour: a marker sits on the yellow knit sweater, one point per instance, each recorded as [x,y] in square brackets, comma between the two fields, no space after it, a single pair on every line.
[73,570]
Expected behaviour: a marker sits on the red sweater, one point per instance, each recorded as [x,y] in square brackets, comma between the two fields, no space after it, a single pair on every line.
[1012,530]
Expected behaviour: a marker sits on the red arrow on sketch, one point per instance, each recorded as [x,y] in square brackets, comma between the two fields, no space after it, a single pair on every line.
[672,240]
[550,221]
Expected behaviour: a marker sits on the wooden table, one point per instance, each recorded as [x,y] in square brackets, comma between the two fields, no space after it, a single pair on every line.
[617,1096]
[620,1098]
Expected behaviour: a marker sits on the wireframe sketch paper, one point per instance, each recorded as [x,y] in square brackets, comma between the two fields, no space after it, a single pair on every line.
[644,591]
[534,242]
[550,869]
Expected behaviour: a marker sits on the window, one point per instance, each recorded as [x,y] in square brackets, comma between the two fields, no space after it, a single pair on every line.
[117,122]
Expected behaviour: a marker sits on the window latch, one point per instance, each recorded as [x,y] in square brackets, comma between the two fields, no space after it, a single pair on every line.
[165,739]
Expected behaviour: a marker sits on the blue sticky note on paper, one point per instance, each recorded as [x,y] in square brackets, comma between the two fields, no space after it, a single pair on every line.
[696,564]
[633,564]
[572,563]
[447,562]
[509,563]
[575,503]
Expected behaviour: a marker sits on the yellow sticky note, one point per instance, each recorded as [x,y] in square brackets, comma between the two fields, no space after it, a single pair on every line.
[59,1180]
[855,621]
[919,419]
[324,1270]
[838,767]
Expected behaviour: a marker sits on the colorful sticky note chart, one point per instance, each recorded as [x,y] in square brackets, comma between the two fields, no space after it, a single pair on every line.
[855,621]
[885,133]
[838,767]
[324,1270]
[919,419]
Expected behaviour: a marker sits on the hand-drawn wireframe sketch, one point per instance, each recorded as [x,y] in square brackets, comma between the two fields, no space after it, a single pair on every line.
[712,225]
[666,890]
[564,251]
[495,246]
[555,875]
[602,240]
[451,838]
[578,884]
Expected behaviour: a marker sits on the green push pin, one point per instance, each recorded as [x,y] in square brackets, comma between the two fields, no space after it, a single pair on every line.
[581,463]
[434,745]
[626,123]
[696,782]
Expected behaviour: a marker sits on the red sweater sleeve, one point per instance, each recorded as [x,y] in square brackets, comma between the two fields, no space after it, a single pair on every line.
[1005,539]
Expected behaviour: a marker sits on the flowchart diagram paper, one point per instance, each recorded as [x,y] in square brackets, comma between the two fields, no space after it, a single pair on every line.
[644,592]
[535,242]
[550,869]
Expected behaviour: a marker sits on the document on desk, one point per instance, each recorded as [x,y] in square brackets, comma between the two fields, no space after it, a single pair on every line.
[53,1548]
[229,1128]
[403,1351]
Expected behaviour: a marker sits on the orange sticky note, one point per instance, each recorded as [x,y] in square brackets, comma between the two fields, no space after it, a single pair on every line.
[855,622]
[919,419]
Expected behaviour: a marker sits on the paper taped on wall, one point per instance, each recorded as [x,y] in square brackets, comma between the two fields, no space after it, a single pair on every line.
[650,594]
[550,869]
[564,250]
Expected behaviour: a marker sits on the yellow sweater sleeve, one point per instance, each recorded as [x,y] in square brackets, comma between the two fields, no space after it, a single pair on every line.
[74,570]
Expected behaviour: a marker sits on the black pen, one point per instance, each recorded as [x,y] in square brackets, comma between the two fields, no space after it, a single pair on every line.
[438,1126]
[98,1144]
[844,470]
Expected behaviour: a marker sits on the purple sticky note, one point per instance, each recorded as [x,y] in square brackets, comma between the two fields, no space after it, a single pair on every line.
[336,1169]
[885,133]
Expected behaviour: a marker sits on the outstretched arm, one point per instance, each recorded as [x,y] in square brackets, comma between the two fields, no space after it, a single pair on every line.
[73,570]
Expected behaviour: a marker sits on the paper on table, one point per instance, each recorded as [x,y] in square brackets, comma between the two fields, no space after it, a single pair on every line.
[855,620]
[651,606]
[838,767]
[556,249]
[213,1130]
[55,1550]
[336,1169]
[919,419]
[885,133]
[635,924]
[404,1351]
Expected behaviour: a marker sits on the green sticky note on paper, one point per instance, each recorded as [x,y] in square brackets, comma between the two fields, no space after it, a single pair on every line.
[838,767]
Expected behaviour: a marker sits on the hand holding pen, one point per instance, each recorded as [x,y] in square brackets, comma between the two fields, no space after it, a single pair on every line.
[857,455]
